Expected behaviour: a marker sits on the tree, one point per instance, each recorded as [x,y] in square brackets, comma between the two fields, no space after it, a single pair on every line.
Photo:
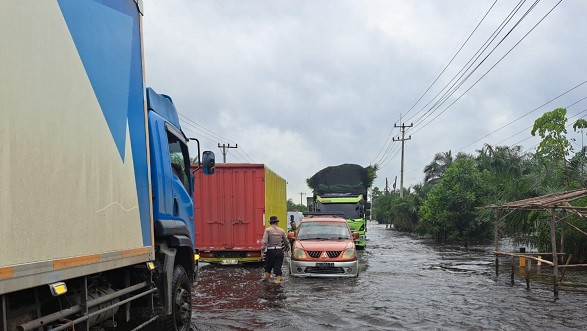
[551,128]
[438,166]
[292,206]
[449,212]
[371,174]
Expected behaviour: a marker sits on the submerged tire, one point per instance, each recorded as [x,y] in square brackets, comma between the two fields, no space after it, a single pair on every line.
[181,302]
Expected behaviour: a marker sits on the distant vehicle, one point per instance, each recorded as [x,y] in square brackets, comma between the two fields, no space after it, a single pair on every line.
[343,189]
[232,211]
[324,247]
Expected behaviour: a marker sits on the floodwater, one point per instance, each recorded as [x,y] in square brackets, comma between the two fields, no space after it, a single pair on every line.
[404,283]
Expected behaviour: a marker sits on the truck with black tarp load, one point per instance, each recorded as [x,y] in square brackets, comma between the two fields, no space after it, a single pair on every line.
[344,189]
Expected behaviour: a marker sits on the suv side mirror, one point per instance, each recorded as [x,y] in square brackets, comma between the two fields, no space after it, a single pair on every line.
[208,162]
[355,235]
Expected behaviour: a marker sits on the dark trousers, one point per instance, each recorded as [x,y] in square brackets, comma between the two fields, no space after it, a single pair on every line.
[274,260]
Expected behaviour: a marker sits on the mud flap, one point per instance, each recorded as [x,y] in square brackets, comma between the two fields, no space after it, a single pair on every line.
[167,259]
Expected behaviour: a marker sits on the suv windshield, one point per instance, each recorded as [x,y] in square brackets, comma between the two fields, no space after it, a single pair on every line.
[323,230]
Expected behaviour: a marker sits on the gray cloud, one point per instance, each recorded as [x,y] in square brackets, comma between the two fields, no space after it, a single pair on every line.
[301,85]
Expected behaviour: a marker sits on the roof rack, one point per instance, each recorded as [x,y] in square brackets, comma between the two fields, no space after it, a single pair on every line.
[323,213]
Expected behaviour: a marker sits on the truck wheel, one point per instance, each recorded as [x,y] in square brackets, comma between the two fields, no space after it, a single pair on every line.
[181,300]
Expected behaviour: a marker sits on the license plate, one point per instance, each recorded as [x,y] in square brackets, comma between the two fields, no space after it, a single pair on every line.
[229,262]
[324,264]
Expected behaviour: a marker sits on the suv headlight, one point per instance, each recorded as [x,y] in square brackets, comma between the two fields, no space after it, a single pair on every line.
[349,253]
[299,253]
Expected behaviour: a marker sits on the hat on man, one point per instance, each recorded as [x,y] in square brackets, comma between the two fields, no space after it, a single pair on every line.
[273,219]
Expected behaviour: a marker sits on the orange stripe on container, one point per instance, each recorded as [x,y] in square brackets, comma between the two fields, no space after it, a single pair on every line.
[136,251]
[6,272]
[75,261]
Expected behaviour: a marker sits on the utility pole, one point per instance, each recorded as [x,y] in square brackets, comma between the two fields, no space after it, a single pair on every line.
[402,139]
[225,148]
[301,201]
[386,191]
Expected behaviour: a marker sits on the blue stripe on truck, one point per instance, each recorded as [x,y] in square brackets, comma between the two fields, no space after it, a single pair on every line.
[107,36]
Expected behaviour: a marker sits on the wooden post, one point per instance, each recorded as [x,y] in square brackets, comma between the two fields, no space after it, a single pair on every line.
[496,239]
[528,262]
[554,253]
[562,247]
[563,271]
[513,266]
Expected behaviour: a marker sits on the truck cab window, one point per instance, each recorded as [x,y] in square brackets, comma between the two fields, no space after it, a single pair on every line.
[179,160]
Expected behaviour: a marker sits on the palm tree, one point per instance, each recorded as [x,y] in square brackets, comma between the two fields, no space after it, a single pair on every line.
[437,167]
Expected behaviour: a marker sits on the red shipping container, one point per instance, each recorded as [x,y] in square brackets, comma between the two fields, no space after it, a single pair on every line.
[232,210]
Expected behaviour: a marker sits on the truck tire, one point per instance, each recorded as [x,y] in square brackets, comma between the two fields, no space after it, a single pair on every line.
[181,301]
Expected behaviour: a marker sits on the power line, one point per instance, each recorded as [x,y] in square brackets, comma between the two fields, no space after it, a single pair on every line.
[526,114]
[383,146]
[460,81]
[570,118]
[566,127]
[390,149]
[530,127]
[469,63]
[457,84]
[213,136]
[452,59]
[203,128]
[436,79]
[384,162]
[532,29]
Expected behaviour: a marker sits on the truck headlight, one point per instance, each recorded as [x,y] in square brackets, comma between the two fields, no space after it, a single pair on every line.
[349,253]
[299,253]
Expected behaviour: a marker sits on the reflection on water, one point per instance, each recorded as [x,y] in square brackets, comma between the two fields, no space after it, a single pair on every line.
[404,283]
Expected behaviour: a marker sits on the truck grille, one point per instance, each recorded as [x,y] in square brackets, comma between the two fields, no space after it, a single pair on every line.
[314,254]
[333,254]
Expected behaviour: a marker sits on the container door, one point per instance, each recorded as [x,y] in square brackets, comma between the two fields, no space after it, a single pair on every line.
[248,208]
[210,203]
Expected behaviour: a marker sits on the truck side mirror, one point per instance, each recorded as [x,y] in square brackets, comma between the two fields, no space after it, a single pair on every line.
[367,213]
[208,162]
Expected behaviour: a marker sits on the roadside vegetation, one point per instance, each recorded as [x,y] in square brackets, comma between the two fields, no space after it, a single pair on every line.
[444,205]
[292,206]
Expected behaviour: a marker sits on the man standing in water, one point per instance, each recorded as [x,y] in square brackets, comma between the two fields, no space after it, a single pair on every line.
[274,239]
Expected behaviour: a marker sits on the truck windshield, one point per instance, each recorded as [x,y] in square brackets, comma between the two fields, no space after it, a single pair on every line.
[350,210]
[323,230]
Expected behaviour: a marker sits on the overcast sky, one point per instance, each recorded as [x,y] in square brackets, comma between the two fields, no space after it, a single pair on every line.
[302,85]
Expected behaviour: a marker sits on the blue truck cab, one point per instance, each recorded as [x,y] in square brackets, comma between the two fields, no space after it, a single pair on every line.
[172,196]
[172,184]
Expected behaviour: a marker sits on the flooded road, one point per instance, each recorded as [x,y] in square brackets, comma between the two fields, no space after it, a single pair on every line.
[404,283]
